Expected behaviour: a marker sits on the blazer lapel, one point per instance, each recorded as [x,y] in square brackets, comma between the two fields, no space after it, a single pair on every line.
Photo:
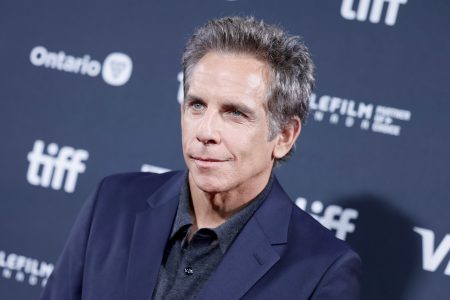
[151,231]
[252,254]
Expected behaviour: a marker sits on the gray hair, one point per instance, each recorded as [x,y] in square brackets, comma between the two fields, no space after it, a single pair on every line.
[290,66]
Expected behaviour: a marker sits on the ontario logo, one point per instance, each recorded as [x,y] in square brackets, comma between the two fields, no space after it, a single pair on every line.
[24,269]
[116,68]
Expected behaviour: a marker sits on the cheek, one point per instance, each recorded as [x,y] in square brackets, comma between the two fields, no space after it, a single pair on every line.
[186,129]
[244,146]
[185,137]
[258,148]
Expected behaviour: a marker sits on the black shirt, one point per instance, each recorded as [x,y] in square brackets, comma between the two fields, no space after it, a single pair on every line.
[187,265]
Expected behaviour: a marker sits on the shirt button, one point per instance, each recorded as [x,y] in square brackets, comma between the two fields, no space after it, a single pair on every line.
[188,271]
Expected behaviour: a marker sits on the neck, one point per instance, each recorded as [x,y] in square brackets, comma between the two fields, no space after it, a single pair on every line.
[212,209]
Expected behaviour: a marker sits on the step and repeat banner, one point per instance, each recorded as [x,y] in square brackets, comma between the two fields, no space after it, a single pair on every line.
[92,88]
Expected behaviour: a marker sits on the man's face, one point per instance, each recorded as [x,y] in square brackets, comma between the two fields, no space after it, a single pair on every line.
[225,124]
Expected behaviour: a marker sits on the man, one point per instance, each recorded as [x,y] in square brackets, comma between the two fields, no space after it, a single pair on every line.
[225,229]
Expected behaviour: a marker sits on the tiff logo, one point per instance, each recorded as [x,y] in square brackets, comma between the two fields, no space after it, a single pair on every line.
[432,257]
[50,169]
[362,11]
[334,217]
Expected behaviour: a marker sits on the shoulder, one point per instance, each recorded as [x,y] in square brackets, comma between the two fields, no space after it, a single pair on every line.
[312,261]
[311,239]
[321,240]
[333,268]
[283,221]
[130,190]
[135,181]
[328,260]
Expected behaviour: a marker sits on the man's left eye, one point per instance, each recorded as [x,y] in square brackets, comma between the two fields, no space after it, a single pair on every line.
[237,113]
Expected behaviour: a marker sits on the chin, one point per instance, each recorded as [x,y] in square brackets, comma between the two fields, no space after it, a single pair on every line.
[209,183]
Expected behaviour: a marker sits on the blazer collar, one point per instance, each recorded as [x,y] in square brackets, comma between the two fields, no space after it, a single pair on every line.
[150,233]
[274,215]
[168,190]
[254,252]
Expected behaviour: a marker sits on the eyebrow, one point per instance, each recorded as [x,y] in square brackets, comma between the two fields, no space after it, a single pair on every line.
[239,106]
[228,104]
[192,98]
[189,99]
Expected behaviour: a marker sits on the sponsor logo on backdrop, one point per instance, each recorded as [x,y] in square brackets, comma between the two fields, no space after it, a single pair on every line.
[116,69]
[334,217]
[372,9]
[366,116]
[180,95]
[24,269]
[433,254]
[153,169]
[56,166]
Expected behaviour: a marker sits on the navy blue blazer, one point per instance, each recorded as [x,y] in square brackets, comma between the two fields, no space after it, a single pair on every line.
[115,248]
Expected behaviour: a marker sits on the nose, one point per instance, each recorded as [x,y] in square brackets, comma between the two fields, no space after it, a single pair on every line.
[208,130]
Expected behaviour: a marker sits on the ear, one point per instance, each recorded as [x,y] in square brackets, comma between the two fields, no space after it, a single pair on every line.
[285,140]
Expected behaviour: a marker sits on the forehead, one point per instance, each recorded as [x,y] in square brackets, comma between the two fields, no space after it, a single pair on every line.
[238,77]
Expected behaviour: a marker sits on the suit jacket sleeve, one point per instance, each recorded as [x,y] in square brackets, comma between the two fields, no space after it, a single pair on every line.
[66,280]
[341,281]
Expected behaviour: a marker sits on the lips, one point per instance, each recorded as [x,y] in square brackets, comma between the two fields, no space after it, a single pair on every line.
[207,162]
[208,159]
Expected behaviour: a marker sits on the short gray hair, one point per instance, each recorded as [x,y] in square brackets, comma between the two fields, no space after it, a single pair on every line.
[290,66]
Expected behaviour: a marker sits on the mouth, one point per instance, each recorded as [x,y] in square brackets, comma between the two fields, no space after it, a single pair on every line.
[205,162]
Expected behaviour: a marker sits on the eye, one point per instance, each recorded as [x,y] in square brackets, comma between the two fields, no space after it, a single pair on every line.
[197,106]
[237,113]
